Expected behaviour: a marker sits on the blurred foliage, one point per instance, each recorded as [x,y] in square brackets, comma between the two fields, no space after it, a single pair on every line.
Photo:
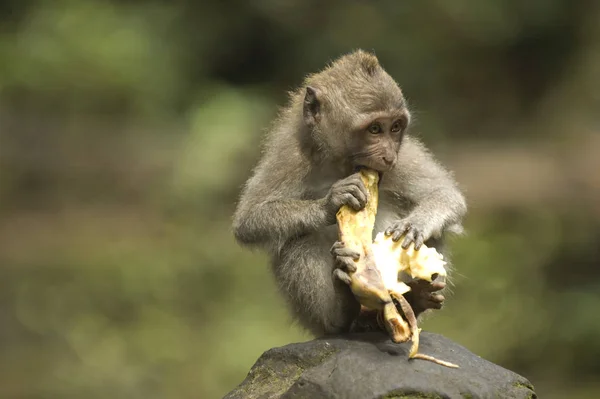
[128,127]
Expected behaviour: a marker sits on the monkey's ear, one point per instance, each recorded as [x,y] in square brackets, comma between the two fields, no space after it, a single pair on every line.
[312,106]
[370,63]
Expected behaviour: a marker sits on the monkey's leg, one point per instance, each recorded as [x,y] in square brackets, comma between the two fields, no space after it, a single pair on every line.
[368,320]
[345,258]
[424,295]
[320,301]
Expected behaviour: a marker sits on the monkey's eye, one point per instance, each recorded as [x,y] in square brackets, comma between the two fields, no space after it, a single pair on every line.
[375,128]
[397,126]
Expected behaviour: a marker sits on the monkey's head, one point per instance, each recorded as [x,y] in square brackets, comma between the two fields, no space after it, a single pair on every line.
[355,112]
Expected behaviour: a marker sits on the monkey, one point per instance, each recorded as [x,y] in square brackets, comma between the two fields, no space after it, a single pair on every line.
[349,115]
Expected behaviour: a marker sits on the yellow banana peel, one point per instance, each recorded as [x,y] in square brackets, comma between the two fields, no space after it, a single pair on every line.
[376,282]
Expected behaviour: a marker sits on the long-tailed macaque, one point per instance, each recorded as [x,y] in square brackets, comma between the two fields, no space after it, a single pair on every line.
[350,115]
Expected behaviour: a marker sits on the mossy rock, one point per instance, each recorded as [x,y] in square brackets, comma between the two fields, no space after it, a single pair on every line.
[370,366]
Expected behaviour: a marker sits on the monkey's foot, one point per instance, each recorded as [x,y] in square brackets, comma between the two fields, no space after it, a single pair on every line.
[367,321]
[423,295]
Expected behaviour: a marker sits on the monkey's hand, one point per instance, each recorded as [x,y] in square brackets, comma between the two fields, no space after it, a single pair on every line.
[416,232]
[423,295]
[345,259]
[350,191]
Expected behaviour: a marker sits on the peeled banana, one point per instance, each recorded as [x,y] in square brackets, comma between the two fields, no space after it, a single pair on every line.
[376,283]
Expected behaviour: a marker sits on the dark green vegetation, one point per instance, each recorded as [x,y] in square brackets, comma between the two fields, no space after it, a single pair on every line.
[127,128]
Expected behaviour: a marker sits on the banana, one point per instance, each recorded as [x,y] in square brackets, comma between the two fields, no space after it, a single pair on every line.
[376,283]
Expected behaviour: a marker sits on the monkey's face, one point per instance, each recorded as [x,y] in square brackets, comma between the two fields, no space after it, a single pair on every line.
[375,141]
[356,113]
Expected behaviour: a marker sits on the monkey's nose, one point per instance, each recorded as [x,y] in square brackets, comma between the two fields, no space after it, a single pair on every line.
[388,160]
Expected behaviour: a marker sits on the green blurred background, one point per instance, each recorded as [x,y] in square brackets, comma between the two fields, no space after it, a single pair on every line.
[128,127]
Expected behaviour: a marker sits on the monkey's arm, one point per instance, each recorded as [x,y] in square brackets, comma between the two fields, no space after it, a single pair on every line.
[276,220]
[271,210]
[439,205]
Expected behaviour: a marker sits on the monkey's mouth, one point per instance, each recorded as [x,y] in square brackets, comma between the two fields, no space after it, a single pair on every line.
[379,173]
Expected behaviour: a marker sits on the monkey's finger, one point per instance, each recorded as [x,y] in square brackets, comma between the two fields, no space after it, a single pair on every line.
[353,180]
[437,286]
[358,194]
[426,286]
[393,227]
[430,287]
[342,276]
[345,252]
[410,237]
[398,230]
[408,240]
[437,298]
[337,244]
[356,180]
[399,233]
[418,241]
[346,263]
[433,302]
[363,189]
[351,201]
[432,305]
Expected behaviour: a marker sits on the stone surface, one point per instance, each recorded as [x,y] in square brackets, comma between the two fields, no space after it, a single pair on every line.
[365,366]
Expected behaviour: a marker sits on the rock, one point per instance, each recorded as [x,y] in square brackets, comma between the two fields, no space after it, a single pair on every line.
[369,365]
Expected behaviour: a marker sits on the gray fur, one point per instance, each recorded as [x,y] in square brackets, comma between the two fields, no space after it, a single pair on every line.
[285,206]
